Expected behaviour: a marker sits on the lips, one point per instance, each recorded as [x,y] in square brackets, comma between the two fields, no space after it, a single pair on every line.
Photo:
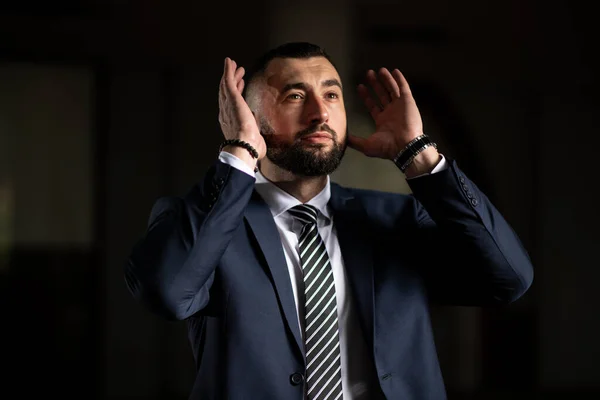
[317,135]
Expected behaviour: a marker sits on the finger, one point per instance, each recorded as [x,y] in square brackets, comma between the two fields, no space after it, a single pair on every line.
[225,66]
[222,81]
[233,78]
[237,78]
[239,73]
[227,69]
[382,94]
[230,74]
[363,93]
[402,83]
[389,83]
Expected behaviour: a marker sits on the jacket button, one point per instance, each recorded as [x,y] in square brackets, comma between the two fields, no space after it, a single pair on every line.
[461,179]
[296,378]
[474,202]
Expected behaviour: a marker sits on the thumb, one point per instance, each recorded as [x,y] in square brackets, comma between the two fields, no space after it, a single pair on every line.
[359,143]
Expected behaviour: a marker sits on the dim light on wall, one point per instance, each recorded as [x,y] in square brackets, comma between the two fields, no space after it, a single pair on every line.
[6,224]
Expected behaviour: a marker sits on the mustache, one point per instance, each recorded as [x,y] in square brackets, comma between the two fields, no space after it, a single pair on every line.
[317,128]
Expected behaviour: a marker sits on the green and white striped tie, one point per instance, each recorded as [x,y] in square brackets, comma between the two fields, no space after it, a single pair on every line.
[322,345]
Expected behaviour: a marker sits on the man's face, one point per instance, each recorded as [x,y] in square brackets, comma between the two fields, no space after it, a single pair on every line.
[302,117]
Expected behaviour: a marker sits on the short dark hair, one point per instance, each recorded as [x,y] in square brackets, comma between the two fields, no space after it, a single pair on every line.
[286,50]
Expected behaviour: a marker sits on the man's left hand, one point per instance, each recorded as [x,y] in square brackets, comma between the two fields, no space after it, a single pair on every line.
[394,110]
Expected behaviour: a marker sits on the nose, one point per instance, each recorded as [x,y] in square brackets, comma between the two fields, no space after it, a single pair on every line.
[316,110]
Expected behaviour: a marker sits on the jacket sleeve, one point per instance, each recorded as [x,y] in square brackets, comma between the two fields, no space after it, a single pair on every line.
[474,256]
[172,267]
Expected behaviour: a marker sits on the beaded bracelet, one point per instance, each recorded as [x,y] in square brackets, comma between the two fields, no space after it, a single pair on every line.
[241,143]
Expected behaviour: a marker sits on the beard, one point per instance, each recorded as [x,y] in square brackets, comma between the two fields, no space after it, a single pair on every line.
[302,158]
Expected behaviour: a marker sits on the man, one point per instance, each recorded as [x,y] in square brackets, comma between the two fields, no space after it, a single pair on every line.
[294,287]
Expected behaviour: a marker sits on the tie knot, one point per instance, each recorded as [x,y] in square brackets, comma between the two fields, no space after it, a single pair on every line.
[304,213]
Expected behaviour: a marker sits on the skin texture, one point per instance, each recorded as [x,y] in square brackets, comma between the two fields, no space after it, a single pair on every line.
[299,108]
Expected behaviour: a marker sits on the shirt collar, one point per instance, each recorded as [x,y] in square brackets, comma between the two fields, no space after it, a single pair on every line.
[279,201]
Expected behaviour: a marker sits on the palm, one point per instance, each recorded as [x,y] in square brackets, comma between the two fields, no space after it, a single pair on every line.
[397,119]
[235,116]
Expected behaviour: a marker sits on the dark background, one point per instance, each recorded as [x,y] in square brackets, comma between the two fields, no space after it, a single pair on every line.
[106,105]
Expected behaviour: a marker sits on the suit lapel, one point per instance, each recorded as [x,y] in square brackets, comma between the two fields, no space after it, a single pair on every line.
[350,219]
[263,226]
[351,224]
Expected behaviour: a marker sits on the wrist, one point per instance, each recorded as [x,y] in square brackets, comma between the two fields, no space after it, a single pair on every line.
[419,156]
[423,163]
[242,150]
[242,154]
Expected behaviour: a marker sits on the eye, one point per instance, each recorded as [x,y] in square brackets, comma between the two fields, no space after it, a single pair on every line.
[294,96]
[332,95]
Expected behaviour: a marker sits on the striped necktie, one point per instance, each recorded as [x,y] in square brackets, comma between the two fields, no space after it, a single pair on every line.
[321,336]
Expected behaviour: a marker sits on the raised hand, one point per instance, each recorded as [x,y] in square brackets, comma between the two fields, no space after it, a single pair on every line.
[397,118]
[235,117]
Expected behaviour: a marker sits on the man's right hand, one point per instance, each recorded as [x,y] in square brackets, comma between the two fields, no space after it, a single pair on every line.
[236,119]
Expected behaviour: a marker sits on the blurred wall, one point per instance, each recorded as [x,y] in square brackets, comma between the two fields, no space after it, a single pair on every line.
[508,89]
[46,222]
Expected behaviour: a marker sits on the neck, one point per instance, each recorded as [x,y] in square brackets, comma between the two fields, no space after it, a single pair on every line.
[301,187]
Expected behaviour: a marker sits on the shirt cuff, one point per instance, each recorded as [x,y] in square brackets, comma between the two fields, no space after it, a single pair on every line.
[441,165]
[236,163]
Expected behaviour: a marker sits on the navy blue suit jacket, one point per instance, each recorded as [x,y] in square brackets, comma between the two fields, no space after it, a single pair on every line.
[214,258]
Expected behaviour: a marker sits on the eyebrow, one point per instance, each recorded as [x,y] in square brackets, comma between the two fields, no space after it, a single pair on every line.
[303,86]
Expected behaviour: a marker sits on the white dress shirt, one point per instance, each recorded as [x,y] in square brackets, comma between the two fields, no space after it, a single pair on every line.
[358,372]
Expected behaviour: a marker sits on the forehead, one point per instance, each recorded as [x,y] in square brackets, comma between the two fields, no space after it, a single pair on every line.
[312,71]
